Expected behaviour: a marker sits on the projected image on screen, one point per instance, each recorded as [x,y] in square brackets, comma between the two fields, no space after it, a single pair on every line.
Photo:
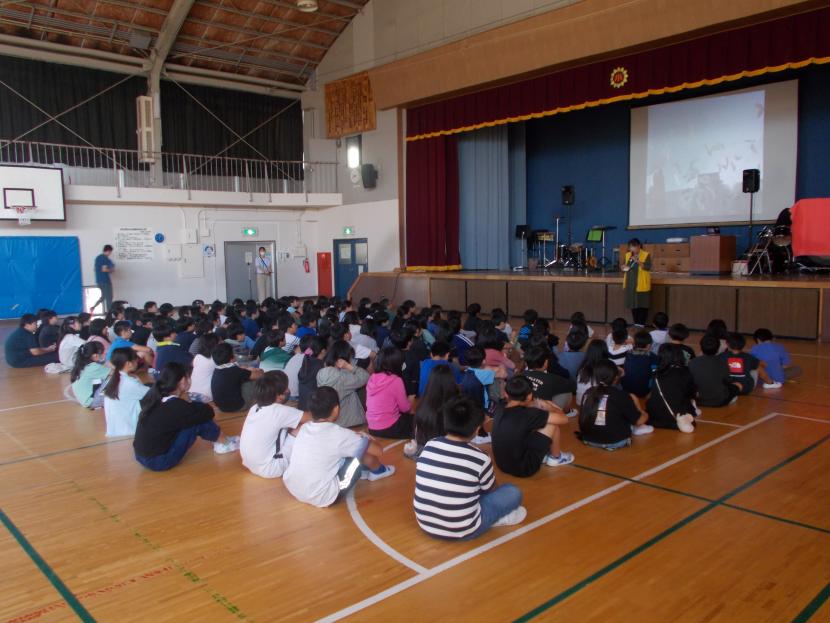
[699,153]
[688,157]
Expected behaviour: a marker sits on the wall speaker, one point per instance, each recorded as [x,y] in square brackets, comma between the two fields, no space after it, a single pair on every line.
[568,195]
[369,174]
[752,180]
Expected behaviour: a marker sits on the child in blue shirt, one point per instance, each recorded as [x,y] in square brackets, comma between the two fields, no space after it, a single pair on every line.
[776,359]
[485,376]
[639,366]
[123,332]
[572,358]
[440,357]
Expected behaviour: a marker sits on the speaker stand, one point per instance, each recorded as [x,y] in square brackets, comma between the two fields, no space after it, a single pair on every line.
[749,229]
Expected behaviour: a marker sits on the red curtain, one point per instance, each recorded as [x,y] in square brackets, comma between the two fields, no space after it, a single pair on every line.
[432,212]
[786,43]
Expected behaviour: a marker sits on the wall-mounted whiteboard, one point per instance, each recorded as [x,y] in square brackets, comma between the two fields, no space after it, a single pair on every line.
[38,187]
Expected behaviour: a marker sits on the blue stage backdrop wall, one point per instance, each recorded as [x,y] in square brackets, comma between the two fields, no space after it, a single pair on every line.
[590,150]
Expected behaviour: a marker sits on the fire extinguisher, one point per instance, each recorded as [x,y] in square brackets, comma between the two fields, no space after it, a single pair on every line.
[306,265]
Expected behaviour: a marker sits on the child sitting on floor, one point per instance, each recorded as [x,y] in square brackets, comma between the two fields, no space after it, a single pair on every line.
[274,357]
[456,496]
[609,416]
[429,422]
[715,387]
[123,394]
[387,405]
[530,316]
[776,359]
[313,362]
[639,366]
[597,351]
[170,423]
[167,350]
[123,332]
[678,334]
[346,379]
[547,386]
[573,357]
[88,374]
[743,367]
[69,342]
[620,346]
[270,429]
[671,403]
[231,385]
[203,367]
[327,460]
[526,432]
[660,334]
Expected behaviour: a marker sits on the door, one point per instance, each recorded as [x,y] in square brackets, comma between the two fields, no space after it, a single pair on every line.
[351,257]
[240,272]
[324,274]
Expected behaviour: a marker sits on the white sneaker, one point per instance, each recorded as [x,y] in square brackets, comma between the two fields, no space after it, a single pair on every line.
[516,516]
[643,429]
[685,423]
[231,444]
[479,440]
[564,458]
[733,401]
[371,476]
[410,448]
[773,385]
[572,413]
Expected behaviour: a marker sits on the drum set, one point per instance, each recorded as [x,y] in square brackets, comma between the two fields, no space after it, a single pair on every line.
[571,255]
[772,252]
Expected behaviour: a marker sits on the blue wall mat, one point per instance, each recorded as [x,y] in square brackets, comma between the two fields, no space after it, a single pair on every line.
[41,271]
[590,149]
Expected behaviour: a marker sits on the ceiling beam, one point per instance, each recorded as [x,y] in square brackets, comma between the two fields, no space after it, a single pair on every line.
[167,37]
[208,45]
[268,18]
[347,4]
[37,50]
[293,7]
[257,33]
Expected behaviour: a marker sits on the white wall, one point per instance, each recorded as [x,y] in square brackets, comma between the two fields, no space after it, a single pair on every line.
[160,280]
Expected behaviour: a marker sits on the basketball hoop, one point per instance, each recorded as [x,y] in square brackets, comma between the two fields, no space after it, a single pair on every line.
[24,214]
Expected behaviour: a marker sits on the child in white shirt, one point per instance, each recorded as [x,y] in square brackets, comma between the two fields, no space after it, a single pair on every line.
[327,460]
[268,433]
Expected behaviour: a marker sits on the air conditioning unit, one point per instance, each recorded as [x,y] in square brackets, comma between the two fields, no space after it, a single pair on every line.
[145,131]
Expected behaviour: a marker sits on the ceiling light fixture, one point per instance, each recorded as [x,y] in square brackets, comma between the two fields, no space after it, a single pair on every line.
[307,6]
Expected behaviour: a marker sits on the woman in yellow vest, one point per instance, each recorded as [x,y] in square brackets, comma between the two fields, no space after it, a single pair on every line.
[637,281]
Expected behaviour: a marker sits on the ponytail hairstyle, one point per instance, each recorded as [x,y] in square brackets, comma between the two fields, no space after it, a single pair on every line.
[596,352]
[605,374]
[120,357]
[316,345]
[168,381]
[66,328]
[84,357]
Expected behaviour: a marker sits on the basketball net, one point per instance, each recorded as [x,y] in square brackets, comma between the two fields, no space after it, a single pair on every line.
[24,214]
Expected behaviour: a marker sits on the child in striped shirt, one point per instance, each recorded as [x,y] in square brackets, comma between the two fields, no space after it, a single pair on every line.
[467,503]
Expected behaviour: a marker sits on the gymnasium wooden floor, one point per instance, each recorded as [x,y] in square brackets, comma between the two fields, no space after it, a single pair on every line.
[731,523]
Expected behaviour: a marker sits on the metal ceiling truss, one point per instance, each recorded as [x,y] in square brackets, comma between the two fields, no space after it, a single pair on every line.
[182,49]
[258,33]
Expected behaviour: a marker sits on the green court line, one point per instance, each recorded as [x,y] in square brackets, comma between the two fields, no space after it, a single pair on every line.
[575,588]
[813,606]
[46,570]
[701,498]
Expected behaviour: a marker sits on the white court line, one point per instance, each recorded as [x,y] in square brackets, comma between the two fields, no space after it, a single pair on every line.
[36,404]
[392,445]
[376,540]
[453,562]
[801,417]
[720,423]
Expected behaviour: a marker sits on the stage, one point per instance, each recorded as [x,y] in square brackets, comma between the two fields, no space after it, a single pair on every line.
[789,305]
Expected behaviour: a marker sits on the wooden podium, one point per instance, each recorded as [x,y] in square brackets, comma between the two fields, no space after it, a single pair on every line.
[712,255]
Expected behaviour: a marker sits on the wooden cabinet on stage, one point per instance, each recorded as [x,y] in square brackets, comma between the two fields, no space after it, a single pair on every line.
[665,258]
[712,255]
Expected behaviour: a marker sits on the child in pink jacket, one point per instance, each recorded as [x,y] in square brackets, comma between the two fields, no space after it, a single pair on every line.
[387,405]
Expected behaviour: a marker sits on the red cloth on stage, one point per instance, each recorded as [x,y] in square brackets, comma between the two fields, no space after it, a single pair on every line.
[811,227]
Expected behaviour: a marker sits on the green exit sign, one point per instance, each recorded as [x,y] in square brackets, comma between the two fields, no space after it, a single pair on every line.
[249,231]
[348,231]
